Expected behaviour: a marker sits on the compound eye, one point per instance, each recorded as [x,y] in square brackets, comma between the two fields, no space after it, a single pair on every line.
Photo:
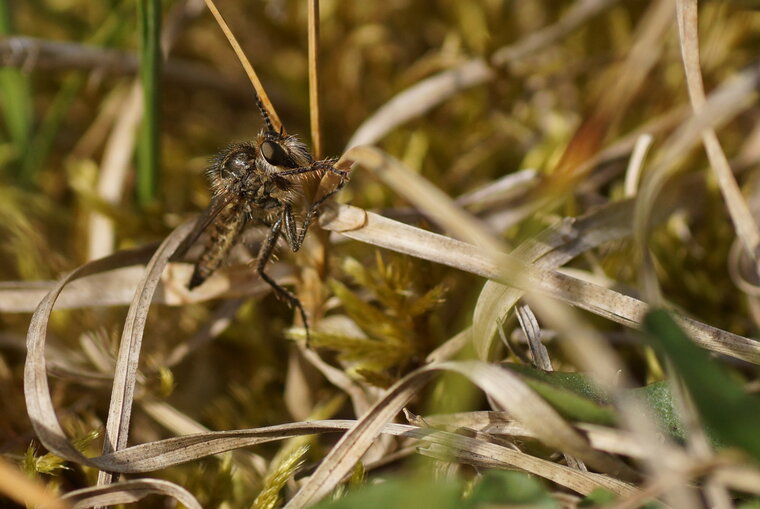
[236,165]
[276,155]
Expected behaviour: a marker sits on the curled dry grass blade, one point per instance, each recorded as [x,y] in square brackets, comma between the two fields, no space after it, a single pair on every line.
[36,391]
[744,223]
[122,394]
[129,492]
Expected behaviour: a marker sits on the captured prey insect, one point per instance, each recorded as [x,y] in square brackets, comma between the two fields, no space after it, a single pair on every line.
[259,182]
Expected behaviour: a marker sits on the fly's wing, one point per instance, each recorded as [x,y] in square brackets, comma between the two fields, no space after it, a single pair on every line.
[218,204]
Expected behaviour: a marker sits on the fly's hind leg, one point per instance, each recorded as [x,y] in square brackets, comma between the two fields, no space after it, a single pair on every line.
[265,253]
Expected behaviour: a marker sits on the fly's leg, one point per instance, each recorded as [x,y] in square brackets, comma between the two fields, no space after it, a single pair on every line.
[324,165]
[265,253]
[293,235]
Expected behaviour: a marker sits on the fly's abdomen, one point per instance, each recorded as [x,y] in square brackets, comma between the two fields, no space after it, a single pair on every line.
[224,231]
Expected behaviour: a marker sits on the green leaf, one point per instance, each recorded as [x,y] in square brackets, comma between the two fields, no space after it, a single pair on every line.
[731,415]
[578,398]
[598,498]
[15,94]
[659,398]
[518,488]
[568,393]
[55,115]
[603,498]
[401,494]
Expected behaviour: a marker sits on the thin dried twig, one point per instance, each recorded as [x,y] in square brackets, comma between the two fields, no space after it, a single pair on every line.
[313,24]
[252,76]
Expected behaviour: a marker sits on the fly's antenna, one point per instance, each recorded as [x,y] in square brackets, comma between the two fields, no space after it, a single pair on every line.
[265,115]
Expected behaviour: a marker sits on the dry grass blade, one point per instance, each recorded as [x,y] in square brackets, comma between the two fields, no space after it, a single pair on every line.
[36,391]
[252,76]
[532,331]
[723,104]
[129,492]
[116,287]
[161,454]
[117,157]
[559,244]
[173,451]
[503,424]
[425,196]
[744,223]
[489,262]
[518,399]
[488,455]
[123,388]
[636,164]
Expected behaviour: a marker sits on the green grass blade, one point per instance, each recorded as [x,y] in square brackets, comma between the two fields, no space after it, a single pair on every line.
[148,154]
[42,139]
[54,117]
[15,95]
[731,415]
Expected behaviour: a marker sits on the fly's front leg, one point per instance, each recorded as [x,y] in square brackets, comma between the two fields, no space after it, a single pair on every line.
[324,165]
[265,254]
[293,235]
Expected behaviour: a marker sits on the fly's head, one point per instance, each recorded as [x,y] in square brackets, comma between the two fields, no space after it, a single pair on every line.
[281,152]
[243,166]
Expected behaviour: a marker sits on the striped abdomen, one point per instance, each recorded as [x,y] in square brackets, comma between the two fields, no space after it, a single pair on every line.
[224,233]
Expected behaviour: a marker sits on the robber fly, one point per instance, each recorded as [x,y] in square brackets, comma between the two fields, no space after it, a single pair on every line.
[259,182]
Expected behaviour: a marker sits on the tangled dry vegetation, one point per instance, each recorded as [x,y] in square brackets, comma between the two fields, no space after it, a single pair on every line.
[533,185]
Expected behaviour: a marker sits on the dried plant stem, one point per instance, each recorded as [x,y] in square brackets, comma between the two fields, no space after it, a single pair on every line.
[252,76]
[316,136]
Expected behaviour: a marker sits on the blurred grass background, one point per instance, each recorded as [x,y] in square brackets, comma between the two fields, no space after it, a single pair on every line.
[58,120]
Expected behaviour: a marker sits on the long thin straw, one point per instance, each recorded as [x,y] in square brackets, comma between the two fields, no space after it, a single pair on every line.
[258,87]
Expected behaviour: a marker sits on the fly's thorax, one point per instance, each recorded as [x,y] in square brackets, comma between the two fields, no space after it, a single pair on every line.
[232,167]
